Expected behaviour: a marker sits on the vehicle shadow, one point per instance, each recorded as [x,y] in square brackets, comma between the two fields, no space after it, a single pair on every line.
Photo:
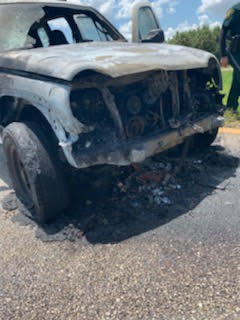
[108,215]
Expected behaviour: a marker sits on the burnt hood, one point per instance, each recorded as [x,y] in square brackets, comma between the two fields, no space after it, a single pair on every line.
[115,59]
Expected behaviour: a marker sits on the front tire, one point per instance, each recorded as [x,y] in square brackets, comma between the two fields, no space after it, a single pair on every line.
[34,171]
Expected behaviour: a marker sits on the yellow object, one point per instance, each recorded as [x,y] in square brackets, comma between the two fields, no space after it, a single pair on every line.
[229,130]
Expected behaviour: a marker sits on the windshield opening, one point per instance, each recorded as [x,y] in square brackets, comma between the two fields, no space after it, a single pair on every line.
[34,26]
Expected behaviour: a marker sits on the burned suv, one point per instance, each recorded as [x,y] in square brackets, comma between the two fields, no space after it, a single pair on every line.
[75,93]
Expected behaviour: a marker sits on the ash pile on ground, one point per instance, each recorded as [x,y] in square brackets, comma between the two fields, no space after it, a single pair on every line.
[114,204]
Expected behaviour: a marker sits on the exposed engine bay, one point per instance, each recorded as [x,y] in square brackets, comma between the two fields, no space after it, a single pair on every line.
[156,103]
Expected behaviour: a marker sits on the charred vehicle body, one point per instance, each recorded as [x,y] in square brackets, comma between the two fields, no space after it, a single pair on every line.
[74,91]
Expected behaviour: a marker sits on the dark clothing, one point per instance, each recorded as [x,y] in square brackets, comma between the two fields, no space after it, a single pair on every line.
[231,29]
[234,92]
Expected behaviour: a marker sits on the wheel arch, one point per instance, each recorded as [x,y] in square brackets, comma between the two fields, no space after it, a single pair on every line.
[32,113]
[15,107]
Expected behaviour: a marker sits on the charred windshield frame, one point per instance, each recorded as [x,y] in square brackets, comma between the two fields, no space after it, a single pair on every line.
[26,36]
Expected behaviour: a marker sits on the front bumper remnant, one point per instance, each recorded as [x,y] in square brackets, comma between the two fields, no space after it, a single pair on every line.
[125,153]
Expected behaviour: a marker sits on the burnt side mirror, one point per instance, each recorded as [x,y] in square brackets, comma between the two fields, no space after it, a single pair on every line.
[144,23]
[156,36]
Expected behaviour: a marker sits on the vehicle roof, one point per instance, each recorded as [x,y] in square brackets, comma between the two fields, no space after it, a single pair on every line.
[70,2]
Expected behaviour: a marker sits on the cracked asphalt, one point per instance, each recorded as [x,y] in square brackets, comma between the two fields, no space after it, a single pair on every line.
[166,263]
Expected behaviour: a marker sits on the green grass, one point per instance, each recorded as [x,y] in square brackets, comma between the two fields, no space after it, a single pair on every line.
[227,80]
[232,120]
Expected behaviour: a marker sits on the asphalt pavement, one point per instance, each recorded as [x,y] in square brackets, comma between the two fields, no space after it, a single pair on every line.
[178,260]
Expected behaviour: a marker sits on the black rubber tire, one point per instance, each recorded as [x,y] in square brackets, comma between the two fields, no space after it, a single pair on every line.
[204,140]
[34,171]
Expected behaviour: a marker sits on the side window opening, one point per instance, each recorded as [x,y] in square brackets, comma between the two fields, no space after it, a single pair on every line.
[61,32]
[36,25]
[91,30]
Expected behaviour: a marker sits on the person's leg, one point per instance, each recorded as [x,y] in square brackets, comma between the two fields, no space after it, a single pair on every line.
[234,92]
